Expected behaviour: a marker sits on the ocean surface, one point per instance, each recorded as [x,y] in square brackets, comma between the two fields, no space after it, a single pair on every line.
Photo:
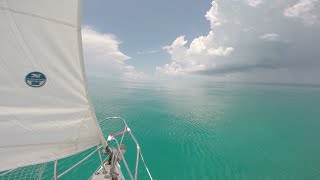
[213,130]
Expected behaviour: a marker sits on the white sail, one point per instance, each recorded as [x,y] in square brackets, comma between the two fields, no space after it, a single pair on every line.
[45,112]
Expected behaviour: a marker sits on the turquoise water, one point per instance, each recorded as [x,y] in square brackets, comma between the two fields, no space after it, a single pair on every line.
[215,130]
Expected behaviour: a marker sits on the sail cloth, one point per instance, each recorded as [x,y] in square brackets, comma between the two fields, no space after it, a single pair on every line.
[45,112]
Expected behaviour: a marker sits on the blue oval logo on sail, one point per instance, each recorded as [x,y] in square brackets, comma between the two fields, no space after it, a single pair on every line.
[36,79]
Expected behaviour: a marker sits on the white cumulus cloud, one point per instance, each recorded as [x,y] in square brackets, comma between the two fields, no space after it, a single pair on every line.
[103,56]
[254,3]
[270,37]
[131,73]
[201,54]
[212,15]
[303,10]
[261,44]
[274,40]
[170,69]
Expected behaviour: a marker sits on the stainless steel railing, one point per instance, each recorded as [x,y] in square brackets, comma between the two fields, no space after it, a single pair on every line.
[126,129]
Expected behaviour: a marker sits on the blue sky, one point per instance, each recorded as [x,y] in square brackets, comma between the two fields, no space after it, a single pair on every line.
[230,40]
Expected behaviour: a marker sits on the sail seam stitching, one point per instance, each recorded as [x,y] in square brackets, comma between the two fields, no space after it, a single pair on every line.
[17,33]
[38,16]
